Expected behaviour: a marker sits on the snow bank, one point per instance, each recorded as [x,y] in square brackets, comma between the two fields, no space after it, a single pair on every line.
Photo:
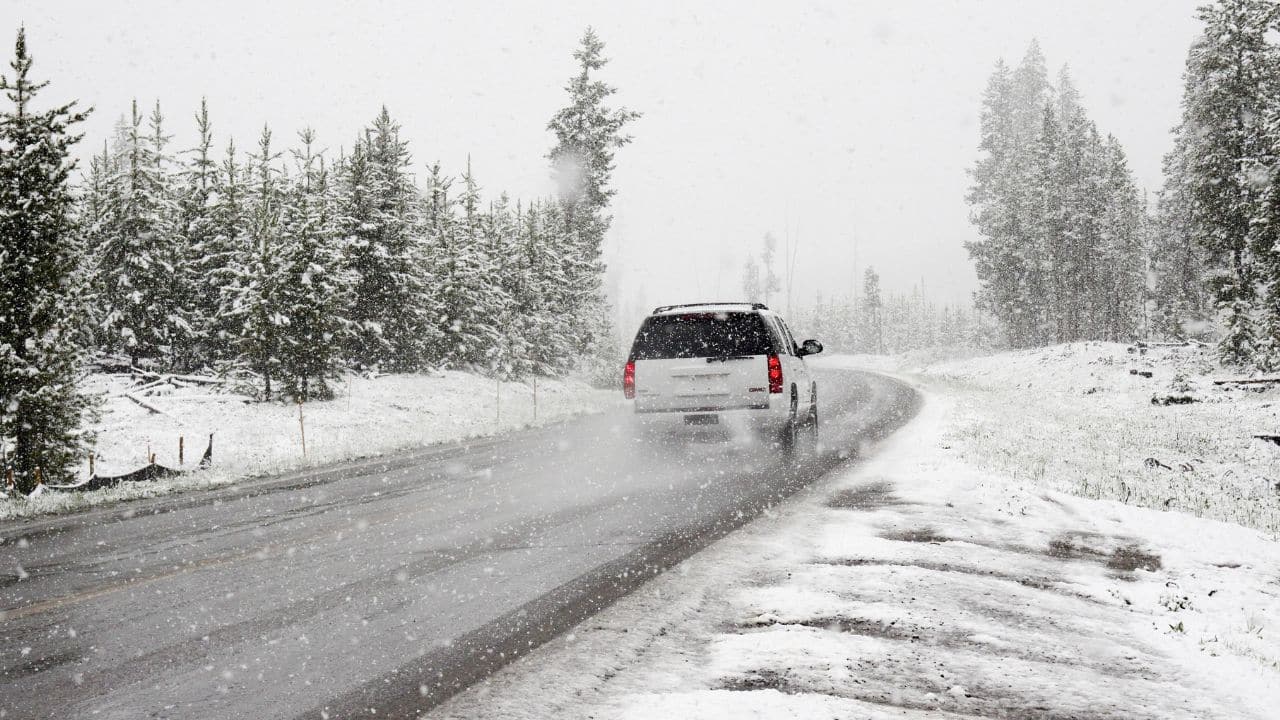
[369,417]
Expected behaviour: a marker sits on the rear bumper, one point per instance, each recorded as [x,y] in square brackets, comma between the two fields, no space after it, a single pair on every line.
[640,410]
[764,417]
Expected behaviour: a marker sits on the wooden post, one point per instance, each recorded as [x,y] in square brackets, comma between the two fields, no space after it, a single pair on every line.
[180,449]
[39,479]
[302,429]
[152,459]
[90,464]
[8,480]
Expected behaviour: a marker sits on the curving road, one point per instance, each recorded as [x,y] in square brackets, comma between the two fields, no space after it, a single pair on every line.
[382,585]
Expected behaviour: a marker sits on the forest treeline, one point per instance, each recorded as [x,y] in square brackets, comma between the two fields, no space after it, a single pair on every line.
[881,323]
[1217,236]
[1062,254]
[1070,250]
[293,267]
[283,264]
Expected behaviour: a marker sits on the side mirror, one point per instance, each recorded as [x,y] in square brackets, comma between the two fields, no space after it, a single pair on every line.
[810,347]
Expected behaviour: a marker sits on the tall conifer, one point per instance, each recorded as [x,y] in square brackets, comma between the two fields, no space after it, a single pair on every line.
[41,285]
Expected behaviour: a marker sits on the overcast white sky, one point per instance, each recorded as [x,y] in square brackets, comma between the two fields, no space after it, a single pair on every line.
[832,122]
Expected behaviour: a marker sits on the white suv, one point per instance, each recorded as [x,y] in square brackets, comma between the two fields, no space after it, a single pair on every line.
[734,364]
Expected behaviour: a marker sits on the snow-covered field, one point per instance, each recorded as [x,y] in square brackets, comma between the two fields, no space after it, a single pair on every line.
[1080,418]
[940,578]
[369,417]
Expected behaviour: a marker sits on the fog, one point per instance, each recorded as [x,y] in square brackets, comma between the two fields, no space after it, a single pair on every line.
[843,128]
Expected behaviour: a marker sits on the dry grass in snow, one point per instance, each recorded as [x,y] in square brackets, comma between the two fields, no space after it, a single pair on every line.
[1080,418]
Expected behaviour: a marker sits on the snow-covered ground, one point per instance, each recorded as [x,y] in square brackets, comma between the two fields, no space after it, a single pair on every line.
[1081,418]
[935,580]
[369,417]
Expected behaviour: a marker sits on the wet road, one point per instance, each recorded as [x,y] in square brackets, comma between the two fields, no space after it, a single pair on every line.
[382,585]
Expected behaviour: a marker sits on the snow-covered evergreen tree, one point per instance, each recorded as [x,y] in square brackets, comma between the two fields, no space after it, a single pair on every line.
[41,286]
[1061,256]
[140,252]
[223,264]
[313,290]
[752,285]
[1181,304]
[769,283]
[255,309]
[1120,295]
[499,247]
[1044,251]
[464,292]
[476,333]
[871,320]
[1264,238]
[587,133]
[204,256]
[378,218]
[995,259]
[1229,70]
[541,288]
[92,218]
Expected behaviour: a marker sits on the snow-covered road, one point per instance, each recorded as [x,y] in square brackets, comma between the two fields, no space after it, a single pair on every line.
[384,584]
[914,586]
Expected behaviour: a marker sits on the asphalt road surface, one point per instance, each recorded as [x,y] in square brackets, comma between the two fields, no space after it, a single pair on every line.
[383,585]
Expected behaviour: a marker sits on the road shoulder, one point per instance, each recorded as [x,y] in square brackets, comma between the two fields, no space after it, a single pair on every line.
[914,585]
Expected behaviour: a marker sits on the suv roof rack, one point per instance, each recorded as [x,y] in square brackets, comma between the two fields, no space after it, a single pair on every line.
[664,308]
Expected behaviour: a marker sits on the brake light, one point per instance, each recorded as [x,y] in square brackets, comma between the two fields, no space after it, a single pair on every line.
[775,374]
[629,380]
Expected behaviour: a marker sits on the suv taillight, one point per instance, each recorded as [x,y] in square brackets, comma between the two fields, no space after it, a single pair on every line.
[775,374]
[629,380]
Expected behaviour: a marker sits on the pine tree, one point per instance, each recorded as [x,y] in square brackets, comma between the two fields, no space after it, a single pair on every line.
[139,252]
[995,257]
[1182,306]
[1121,288]
[1045,249]
[871,322]
[752,286]
[176,304]
[1010,258]
[498,245]
[1061,257]
[587,133]
[255,309]
[378,216]
[1264,238]
[548,333]
[1229,68]
[41,285]
[204,255]
[224,264]
[312,287]
[474,305]
[93,216]
[769,283]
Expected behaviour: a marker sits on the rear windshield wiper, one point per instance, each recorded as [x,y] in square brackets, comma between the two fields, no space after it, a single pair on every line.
[723,358]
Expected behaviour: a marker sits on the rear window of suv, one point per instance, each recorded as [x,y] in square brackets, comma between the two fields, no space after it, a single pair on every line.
[694,335]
